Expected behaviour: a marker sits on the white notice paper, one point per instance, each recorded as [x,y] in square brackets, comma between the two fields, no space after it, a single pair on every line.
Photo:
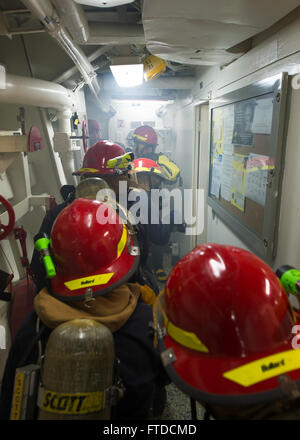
[256,185]
[216,177]
[262,121]
[228,124]
[258,167]
[226,179]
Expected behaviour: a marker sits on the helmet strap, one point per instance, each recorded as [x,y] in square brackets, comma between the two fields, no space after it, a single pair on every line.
[90,300]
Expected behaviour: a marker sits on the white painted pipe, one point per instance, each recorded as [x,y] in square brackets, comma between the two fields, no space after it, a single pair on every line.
[64,125]
[80,60]
[68,163]
[116,34]
[74,19]
[72,16]
[73,70]
[30,91]
[43,10]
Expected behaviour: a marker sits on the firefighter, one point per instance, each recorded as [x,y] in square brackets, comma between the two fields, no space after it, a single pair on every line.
[145,142]
[93,263]
[110,162]
[105,163]
[94,132]
[148,174]
[94,165]
[229,329]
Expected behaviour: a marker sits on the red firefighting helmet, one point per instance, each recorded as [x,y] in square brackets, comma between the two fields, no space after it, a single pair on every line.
[104,158]
[93,125]
[145,165]
[145,134]
[228,328]
[92,251]
[94,131]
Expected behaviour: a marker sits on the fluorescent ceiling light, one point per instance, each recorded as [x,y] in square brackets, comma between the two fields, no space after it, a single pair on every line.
[129,75]
[104,3]
[127,71]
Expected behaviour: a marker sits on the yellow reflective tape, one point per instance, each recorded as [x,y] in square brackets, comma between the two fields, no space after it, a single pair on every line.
[141,138]
[17,397]
[170,167]
[88,170]
[264,368]
[72,403]
[142,169]
[94,280]
[122,242]
[187,339]
[146,169]
[120,161]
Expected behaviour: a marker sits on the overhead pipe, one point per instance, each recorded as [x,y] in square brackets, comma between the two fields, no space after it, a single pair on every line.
[36,92]
[80,60]
[116,33]
[72,15]
[74,19]
[44,11]
[72,71]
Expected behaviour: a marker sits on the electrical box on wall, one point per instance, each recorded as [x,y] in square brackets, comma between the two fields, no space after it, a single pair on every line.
[63,143]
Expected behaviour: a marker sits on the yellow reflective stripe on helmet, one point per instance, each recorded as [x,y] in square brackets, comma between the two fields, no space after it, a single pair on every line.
[141,138]
[88,170]
[264,368]
[71,403]
[94,280]
[142,169]
[122,242]
[148,170]
[120,161]
[187,339]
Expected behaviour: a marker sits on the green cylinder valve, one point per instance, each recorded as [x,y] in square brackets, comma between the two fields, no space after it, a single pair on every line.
[290,278]
[41,243]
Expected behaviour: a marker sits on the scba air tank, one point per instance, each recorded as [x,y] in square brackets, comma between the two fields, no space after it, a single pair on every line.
[77,374]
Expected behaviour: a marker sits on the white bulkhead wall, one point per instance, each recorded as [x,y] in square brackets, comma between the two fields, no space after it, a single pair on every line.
[46,173]
[130,114]
[277,50]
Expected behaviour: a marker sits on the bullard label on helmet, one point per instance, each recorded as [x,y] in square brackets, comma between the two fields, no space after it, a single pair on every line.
[95,280]
[264,368]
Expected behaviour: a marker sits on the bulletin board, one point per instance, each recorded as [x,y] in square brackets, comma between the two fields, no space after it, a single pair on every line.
[246,158]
